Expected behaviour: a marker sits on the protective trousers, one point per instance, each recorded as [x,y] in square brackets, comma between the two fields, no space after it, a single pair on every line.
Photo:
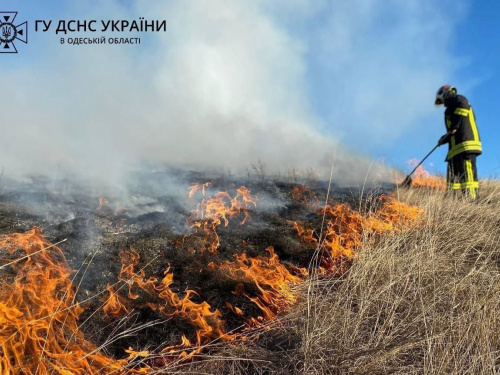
[462,175]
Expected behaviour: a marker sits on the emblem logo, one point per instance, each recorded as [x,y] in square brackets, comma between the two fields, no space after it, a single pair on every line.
[10,32]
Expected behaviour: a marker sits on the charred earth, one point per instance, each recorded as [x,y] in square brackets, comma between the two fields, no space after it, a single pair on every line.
[176,261]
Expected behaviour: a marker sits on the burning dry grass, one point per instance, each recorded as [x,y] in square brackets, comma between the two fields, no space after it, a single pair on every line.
[419,295]
[423,179]
[347,231]
[38,315]
[419,301]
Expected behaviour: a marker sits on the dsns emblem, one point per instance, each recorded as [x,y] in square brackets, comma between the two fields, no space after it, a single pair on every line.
[10,32]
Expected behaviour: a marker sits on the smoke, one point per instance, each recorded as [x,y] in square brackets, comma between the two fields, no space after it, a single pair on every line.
[228,83]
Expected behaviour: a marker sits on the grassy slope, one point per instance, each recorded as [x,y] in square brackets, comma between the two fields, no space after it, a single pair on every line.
[423,301]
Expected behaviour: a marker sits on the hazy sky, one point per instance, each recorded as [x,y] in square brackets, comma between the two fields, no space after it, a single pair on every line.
[231,82]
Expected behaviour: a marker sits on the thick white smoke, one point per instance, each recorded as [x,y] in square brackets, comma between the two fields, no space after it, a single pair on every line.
[226,85]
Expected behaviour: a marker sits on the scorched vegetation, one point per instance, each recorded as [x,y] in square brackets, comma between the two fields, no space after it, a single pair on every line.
[266,277]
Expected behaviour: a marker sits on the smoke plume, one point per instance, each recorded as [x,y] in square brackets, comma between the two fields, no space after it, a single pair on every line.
[228,83]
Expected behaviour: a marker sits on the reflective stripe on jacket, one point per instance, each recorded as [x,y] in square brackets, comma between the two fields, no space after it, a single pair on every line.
[459,116]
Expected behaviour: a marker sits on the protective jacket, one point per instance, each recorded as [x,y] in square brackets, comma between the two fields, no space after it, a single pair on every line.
[459,116]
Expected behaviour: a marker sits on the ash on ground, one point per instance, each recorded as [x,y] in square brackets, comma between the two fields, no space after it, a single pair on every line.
[151,215]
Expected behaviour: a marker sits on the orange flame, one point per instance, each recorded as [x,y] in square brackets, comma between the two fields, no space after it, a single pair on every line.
[346,230]
[272,279]
[423,179]
[223,206]
[134,280]
[304,194]
[119,209]
[134,354]
[115,305]
[102,202]
[209,324]
[211,212]
[234,309]
[193,189]
[38,314]
[39,332]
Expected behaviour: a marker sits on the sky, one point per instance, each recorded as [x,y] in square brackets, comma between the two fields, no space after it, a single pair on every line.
[293,83]
[474,49]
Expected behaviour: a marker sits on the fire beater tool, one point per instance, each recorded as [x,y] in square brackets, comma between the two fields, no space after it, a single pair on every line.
[408,180]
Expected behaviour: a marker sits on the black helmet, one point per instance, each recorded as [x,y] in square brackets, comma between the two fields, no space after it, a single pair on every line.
[443,93]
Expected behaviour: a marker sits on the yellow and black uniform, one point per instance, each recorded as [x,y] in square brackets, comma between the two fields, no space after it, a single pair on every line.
[464,145]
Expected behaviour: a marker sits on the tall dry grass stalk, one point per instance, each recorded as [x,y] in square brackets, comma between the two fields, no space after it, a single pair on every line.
[425,301]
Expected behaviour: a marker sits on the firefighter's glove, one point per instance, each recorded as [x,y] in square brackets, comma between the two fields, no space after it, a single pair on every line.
[444,139]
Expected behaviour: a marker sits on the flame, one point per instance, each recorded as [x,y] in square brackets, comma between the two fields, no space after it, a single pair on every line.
[119,209]
[186,349]
[39,330]
[38,314]
[272,279]
[222,206]
[116,304]
[134,354]
[185,341]
[234,309]
[306,235]
[397,215]
[304,194]
[135,280]
[423,179]
[193,189]
[208,323]
[102,202]
[211,212]
[346,230]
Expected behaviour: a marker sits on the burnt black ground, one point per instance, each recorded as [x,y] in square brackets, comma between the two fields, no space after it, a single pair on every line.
[158,207]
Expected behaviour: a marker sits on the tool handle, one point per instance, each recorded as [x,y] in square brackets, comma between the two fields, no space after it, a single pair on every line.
[426,156]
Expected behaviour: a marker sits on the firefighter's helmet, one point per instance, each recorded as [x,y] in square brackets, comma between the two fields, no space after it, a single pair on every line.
[443,93]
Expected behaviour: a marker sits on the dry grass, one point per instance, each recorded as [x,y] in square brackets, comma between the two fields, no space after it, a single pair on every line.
[425,301]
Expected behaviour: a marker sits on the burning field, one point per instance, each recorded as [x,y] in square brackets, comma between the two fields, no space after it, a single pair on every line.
[218,187]
[152,282]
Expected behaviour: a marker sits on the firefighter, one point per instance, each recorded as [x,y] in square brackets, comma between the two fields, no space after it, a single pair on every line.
[464,144]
